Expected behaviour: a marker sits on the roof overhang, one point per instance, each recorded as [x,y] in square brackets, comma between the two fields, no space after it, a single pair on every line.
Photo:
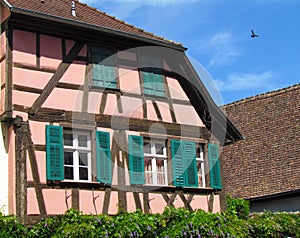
[83,25]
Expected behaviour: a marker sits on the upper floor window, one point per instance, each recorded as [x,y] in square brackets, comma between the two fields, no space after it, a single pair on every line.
[155,157]
[77,155]
[104,70]
[152,79]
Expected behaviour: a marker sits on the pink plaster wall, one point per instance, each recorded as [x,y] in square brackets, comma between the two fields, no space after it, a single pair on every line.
[75,74]
[24,47]
[51,51]
[11,171]
[55,201]
[157,203]
[176,91]
[41,158]
[132,107]
[131,207]
[151,113]
[187,115]
[86,202]
[32,203]
[64,99]
[34,79]
[94,102]
[164,111]
[113,205]
[111,105]
[23,98]
[38,132]
[129,81]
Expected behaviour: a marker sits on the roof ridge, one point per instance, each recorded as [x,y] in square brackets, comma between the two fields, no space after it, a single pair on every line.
[264,95]
[128,24]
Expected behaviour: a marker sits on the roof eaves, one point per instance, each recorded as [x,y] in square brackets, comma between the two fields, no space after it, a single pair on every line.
[95,27]
[7,4]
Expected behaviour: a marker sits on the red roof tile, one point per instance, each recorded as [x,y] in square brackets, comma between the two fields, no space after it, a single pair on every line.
[267,161]
[84,14]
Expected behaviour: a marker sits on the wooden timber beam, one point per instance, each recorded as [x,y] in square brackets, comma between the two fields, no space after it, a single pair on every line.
[62,68]
[35,172]
[20,171]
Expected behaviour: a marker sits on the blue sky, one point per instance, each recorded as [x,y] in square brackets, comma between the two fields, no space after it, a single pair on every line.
[217,35]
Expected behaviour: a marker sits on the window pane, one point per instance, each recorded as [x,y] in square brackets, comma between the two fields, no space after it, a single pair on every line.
[69,174]
[199,171]
[148,165]
[198,151]
[83,159]
[83,173]
[82,140]
[159,148]
[147,147]
[68,139]
[68,157]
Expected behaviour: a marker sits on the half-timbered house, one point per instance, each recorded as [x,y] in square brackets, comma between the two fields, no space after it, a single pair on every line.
[101,116]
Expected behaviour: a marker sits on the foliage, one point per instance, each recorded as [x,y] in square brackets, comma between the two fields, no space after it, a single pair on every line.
[238,206]
[172,223]
[10,227]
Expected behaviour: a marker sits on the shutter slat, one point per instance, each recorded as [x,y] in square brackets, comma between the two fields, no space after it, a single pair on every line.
[177,163]
[104,165]
[136,159]
[215,167]
[54,153]
[191,178]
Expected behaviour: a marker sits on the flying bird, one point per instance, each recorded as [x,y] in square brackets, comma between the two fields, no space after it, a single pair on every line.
[253,35]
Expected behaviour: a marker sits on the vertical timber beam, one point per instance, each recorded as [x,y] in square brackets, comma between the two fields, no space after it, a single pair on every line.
[75,199]
[146,203]
[20,165]
[211,202]
[8,72]
[35,172]
[120,140]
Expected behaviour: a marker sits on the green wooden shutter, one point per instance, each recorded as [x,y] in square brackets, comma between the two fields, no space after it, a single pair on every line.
[177,163]
[104,74]
[148,83]
[54,153]
[191,178]
[215,167]
[136,159]
[104,166]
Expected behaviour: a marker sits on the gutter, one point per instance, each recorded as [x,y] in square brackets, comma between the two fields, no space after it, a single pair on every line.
[292,193]
[92,27]
[7,4]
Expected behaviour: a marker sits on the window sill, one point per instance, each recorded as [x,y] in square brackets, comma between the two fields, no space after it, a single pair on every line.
[129,188]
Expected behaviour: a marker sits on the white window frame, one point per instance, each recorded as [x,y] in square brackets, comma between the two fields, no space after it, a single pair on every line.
[153,156]
[200,160]
[76,149]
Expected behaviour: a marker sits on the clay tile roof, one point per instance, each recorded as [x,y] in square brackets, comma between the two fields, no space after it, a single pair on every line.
[267,162]
[84,14]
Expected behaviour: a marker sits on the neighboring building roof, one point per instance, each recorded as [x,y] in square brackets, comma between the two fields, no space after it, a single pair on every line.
[61,9]
[267,162]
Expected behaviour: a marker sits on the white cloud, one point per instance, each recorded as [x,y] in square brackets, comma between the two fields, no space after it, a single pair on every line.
[238,82]
[221,47]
